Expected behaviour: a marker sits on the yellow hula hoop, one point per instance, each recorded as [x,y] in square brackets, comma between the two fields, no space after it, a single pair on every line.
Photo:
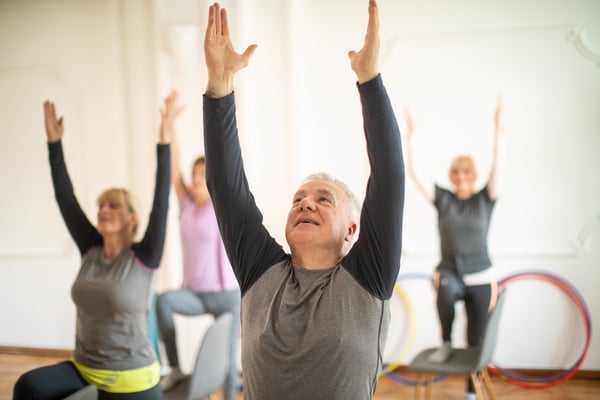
[412,330]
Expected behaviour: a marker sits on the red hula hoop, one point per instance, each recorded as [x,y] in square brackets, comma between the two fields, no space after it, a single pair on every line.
[571,291]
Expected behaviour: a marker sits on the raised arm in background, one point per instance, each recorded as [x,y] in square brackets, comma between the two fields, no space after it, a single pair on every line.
[82,231]
[150,248]
[425,185]
[499,153]
[169,113]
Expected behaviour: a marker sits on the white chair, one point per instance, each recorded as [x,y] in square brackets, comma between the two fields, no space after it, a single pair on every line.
[211,366]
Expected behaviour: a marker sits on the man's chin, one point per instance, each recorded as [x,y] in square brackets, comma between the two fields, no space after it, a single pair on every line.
[301,237]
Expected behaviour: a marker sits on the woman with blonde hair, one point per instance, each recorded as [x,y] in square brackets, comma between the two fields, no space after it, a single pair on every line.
[465,271]
[112,290]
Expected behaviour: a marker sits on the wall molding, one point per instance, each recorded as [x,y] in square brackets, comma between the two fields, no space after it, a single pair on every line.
[68,353]
[580,374]
[581,241]
[38,352]
[568,31]
[576,37]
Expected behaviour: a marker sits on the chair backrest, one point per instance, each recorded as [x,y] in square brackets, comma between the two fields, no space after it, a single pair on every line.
[488,344]
[212,359]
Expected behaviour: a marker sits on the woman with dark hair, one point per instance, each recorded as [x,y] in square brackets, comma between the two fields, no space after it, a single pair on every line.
[209,285]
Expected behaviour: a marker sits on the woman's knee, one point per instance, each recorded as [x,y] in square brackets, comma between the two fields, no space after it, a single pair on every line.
[165,306]
[163,302]
[24,387]
[55,381]
[450,288]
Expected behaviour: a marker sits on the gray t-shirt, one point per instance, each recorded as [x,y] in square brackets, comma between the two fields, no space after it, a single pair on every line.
[463,226]
[311,335]
[113,301]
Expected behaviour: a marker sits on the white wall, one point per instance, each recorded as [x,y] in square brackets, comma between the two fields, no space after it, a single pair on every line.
[108,63]
[87,57]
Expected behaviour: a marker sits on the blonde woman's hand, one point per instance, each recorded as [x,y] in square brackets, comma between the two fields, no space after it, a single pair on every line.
[54,126]
[169,113]
[498,115]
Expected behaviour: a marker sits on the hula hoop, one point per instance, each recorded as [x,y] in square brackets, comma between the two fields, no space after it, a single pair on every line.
[525,381]
[389,370]
[412,329]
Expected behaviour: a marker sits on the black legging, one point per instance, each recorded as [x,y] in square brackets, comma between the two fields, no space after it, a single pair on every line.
[477,303]
[55,382]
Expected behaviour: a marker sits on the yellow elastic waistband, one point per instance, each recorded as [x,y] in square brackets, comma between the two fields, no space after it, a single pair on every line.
[121,381]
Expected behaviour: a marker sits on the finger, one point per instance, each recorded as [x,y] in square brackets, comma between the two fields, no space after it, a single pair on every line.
[178,111]
[249,52]
[51,113]
[351,54]
[210,27]
[169,102]
[224,22]
[46,106]
[373,24]
[46,113]
[218,23]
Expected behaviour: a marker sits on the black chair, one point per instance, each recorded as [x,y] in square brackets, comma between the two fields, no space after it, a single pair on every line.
[472,361]
[212,363]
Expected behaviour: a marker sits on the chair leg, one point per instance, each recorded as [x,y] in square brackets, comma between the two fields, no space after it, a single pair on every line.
[475,378]
[428,385]
[418,381]
[488,384]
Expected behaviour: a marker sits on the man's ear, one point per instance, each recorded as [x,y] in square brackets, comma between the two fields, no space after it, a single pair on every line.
[350,233]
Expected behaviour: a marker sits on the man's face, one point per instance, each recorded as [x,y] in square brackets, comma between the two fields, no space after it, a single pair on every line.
[320,216]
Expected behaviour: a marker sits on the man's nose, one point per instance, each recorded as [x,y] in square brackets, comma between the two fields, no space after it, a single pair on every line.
[307,204]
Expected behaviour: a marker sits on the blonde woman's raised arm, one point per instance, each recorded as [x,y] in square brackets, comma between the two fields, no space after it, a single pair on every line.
[424,185]
[499,153]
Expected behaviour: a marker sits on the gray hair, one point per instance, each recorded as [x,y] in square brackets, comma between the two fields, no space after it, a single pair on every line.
[324,176]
